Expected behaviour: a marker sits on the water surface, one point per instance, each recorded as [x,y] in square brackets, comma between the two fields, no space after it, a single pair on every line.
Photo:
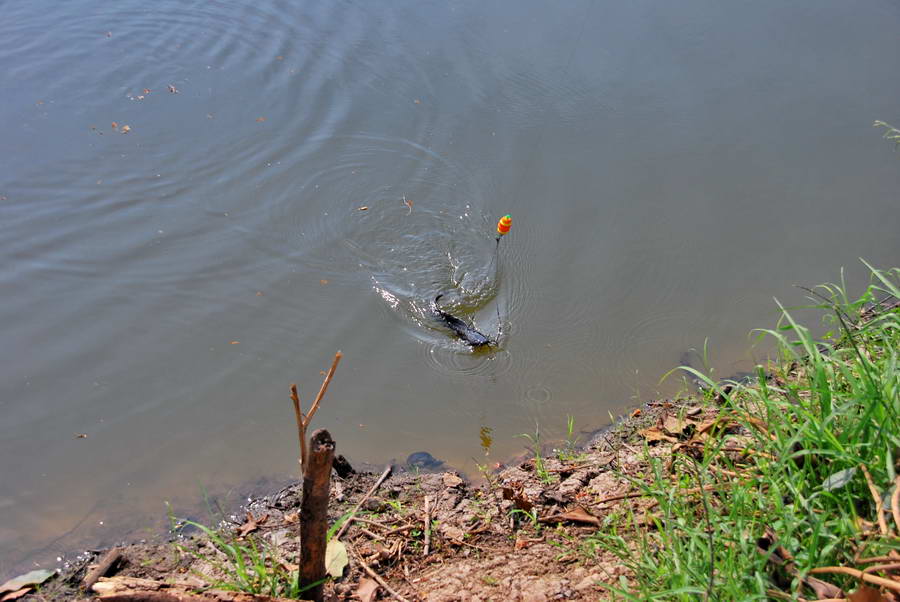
[670,167]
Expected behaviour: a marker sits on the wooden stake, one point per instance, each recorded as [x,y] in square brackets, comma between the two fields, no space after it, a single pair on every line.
[314,513]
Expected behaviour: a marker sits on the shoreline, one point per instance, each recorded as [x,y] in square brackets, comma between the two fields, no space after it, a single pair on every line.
[598,520]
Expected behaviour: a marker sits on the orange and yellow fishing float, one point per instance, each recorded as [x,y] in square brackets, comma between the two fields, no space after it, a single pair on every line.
[503,226]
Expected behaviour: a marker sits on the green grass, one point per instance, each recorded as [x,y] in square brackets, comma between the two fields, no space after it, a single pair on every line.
[536,448]
[248,566]
[825,409]
[251,564]
[569,451]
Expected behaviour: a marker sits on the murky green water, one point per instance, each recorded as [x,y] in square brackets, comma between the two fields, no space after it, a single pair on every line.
[670,167]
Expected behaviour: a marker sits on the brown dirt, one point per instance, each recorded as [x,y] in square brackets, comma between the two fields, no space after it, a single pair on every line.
[480,549]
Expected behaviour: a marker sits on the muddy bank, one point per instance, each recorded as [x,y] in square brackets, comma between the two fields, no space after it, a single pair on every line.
[514,534]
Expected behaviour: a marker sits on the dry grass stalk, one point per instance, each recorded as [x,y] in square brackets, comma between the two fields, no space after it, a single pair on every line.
[858,574]
[375,575]
[384,475]
[876,495]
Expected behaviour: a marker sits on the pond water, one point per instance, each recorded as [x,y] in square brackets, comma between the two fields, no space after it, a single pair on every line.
[670,167]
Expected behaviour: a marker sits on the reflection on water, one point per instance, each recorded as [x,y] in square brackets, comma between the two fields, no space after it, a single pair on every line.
[298,178]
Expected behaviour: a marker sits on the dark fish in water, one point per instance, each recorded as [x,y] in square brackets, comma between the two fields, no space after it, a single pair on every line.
[463,330]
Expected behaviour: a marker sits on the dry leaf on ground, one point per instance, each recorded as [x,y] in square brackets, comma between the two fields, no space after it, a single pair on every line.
[367,590]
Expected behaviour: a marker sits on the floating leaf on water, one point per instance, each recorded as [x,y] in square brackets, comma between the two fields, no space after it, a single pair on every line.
[115,124]
[81,435]
[336,558]
[839,479]
[260,119]
[363,208]
[125,129]
[234,343]
[323,282]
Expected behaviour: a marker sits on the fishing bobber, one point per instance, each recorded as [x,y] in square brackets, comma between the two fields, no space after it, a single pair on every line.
[504,225]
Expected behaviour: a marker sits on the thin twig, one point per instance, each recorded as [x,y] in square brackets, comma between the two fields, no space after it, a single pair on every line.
[370,534]
[384,475]
[375,576]
[367,521]
[876,559]
[427,526]
[895,502]
[400,530]
[844,570]
[301,428]
[882,567]
[322,389]
[303,422]
[876,495]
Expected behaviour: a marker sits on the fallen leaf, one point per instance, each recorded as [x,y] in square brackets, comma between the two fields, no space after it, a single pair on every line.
[678,427]
[252,524]
[452,533]
[451,480]
[81,435]
[577,515]
[694,411]
[518,497]
[867,594]
[27,580]
[653,435]
[15,595]
[292,518]
[290,567]
[336,558]
[367,590]
[260,119]
[839,479]
[636,413]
